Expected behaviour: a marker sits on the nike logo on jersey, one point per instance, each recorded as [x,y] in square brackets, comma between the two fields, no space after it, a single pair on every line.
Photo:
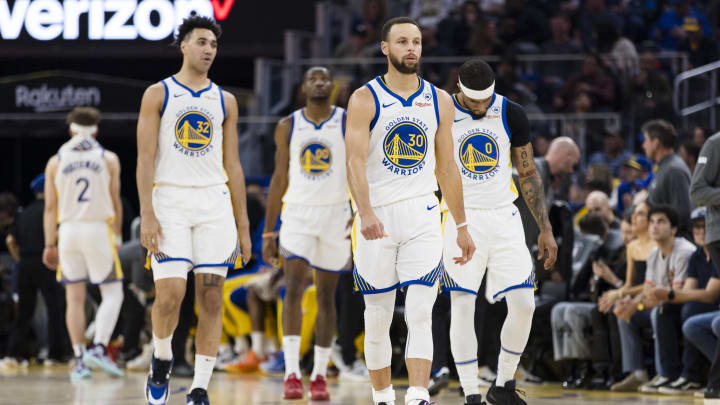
[429,208]
[514,213]
[178,95]
[388,105]
[459,119]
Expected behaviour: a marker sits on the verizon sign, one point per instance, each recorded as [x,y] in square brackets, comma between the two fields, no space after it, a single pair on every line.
[151,20]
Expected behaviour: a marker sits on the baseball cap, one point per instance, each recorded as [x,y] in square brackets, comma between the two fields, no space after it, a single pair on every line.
[691,24]
[37,185]
[698,213]
[639,162]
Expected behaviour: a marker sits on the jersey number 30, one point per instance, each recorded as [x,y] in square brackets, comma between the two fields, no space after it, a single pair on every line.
[85,184]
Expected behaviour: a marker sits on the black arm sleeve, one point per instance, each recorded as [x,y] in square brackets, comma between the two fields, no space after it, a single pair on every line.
[518,124]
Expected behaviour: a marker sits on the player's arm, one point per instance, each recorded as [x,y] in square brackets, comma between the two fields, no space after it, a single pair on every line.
[448,175]
[531,185]
[360,113]
[278,186]
[148,130]
[113,164]
[50,215]
[236,177]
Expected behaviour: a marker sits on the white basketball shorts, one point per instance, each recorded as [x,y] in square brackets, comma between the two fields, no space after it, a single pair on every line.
[412,252]
[319,235]
[86,252]
[500,241]
[198,231]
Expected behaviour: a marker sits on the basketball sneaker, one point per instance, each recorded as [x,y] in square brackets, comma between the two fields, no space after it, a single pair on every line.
[198,396]
[293,387]
[79,371]
[507,395]
[142,361]
[158,382]
[248,363]
[97,357]
[318,389]
[439,380]
[275,364]
[475,399]
[357,373]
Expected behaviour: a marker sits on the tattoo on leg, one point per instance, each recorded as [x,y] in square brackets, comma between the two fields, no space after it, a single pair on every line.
[211,280]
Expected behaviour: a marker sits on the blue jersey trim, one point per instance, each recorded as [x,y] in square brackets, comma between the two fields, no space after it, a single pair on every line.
[320,125]
[421,282]
[380,290]
[466,362]
[292,126]
[222,102]
[456,288]
[377,107]
[167,94]
[194,93]
[437,112]
[492,100]
[459,107]
[214,265]
[176,259]
[514,287]
[504,117]
[344,123]
[404,102]
[79,280]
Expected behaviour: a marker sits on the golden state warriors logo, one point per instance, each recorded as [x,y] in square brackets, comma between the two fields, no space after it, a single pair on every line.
[478,155]
[405,147]
[194,131]
[315,158]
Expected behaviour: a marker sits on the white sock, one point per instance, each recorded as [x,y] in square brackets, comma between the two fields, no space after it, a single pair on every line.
[386,395]
[79,350]
[163,347]
[257,343]
[507,365]
[108,312]
[203,371]
[415,395]
[291,347]
[322,357]
[468,375]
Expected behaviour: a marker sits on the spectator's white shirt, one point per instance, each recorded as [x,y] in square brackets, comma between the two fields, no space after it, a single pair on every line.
[660,270]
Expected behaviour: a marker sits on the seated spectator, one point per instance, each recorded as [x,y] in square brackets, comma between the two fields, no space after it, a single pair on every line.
[700,295]
[689,153]
[622,56]
[668,30]
[462,29]
[701,49]
[635,175]
[555,73]
[598,203]
[484,40]
[433,72]
[613,154]
[592,80]
[523,25]
[700,135]
[589,16]
[431,12]
[666,267]
[650,90]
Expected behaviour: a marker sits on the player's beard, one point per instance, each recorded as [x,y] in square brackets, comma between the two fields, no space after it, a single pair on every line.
[403,68]
[319,99]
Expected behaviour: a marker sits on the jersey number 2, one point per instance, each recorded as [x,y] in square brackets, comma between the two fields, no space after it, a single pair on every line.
[86,184]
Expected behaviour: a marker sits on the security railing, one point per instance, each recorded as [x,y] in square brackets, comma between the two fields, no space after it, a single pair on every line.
[682,89]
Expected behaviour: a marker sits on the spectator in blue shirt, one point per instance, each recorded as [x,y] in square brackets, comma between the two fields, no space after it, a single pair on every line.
[668,31]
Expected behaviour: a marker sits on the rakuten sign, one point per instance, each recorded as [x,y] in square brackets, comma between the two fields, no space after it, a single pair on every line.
[46,20]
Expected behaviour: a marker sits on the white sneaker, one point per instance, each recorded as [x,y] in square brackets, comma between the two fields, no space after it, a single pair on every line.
[357,373]
[653,385]
[486,376]
[225,356]
[336,357]
[527,378]
[142,361]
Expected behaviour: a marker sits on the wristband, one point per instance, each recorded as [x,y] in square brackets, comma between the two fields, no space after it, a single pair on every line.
[461,225]
[269,235]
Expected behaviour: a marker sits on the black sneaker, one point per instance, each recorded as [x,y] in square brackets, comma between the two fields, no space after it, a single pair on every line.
[475,399]
[507,395]
[439,381]
[158,382]
[712,393]
[198,396]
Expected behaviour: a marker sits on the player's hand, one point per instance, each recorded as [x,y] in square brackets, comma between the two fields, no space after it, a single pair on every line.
[371,227]
[150,233]
[245,243]
[270,251]
[50,257]
[466,245]
[547,248]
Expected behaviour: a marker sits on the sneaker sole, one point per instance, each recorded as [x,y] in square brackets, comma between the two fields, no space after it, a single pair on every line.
[94,363]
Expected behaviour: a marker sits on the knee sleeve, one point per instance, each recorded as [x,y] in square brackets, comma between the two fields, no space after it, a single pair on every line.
[379,310]
[419,302]
[516,329]
[463,341]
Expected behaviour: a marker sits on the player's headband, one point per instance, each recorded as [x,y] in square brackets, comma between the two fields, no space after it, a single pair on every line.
[83,130]
[477,94]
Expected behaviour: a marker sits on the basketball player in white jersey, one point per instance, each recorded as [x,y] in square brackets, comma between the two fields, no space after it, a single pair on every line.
[195,215]
[491,133]
[310,180]
[398,142]
[82,194]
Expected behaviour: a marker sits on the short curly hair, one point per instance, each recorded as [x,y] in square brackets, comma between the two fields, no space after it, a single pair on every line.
[196,21]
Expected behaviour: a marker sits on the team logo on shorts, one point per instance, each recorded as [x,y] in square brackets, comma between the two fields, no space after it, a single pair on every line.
[194,131]
[478,154]
[405,147]
[315,158]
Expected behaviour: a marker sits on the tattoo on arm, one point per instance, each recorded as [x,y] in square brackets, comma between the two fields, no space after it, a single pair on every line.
[531,184]
[211,280]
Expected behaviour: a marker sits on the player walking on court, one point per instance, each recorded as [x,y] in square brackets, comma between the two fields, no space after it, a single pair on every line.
[398,126]
[82,194]
[195,217]
[310,179]
[490,132]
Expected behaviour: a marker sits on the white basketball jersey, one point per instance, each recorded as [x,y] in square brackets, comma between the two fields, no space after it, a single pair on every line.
[482,153]
[317,174]
[189,151]
[82,182]
[401,159]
